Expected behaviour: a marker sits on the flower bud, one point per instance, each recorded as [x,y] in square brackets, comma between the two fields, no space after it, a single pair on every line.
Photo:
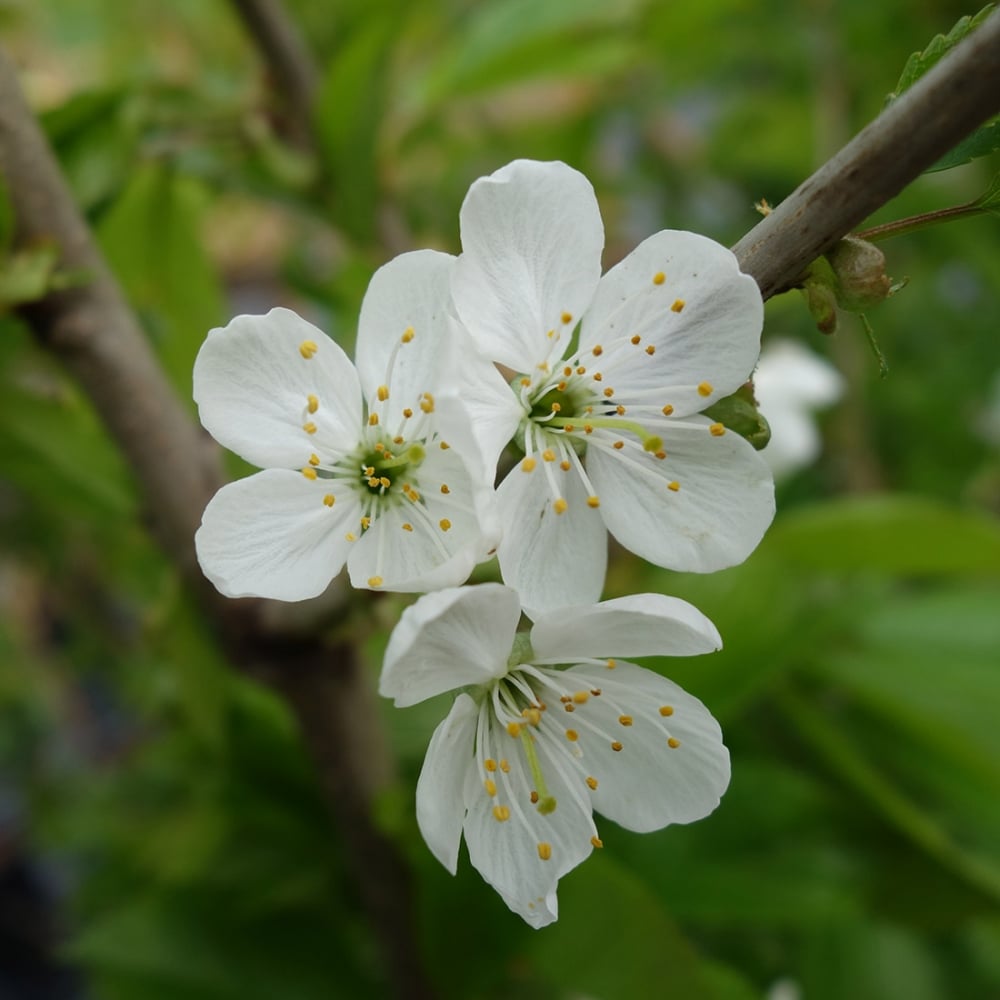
[859,268]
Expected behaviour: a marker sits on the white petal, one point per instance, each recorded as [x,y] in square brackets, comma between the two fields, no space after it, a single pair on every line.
[252,386]
[449,639]
[531,252]
[712,342]
[445,538]
[479,413]
[715,518]
[649,783]
[272,535]
[507,853]
[440,787]
[552,560]
[637,625]
[411,292]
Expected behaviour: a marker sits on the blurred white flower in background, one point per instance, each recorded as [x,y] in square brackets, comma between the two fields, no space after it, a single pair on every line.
[791,383]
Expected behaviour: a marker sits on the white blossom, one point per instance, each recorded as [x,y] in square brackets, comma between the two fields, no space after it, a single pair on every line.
[357,465]
[546,729]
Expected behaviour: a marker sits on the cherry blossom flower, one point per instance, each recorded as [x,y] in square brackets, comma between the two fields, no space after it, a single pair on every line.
[545,729]
[607,378]
[357,466]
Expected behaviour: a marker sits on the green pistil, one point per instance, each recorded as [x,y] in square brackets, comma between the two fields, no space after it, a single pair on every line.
[650,442]
[413,455]
[546,800]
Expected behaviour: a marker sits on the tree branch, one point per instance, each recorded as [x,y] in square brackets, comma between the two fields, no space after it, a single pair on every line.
[290,61]
[936,113]
[95,335]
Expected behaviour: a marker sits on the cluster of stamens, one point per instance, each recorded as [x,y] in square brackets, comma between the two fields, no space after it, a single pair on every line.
[520,704]
[382,470]
[570,406]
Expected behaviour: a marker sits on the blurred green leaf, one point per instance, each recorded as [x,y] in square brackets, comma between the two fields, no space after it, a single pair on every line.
[26,276]
[6,218]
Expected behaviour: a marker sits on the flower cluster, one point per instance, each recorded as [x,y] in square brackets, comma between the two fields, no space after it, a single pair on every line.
[390,466]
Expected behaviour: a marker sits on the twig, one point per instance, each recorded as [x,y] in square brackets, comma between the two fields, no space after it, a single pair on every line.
[293,69]
[95,335]
[941,108]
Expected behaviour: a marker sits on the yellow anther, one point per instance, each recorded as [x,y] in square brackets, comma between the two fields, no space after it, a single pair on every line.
[609,392]
[308,348]
[383,393]
[717,430]
[526,382]
[581,697]
[351,537]
[588,429]
[635,338]
[597,842]
[544,851]
[666,710]
[619,445]
[514,728]
[565,465]
[678,305]
[612,664]
[567,317]
[445,489]
[673,744]
[309,472]
[374,581]
[309,427]
[312,403]
[543,367]
[534,797]
[597,377]
[559,505]
[593,502]
[625,720]
[444,446]
[596,692]
[366,523]
[620,410]
[569,706]
[444,524]
[407,526]
[616,746]
[659,278]
[581,370]
[491,787]
[661,454]
[597,350]
[555,407]
[501,814]
[373,482]
[427,403]
[592,784]
[650,349]
[380,448]
[528,464]
[549,455]
[329,499]
[568,370]
[673,486]
[561,386]
[398,440]
[408,335]
[314,459]
[705,389]
[532,715]
[407,413]
[572,735]
[372,419]
[550,334]
[384,481]
[504,766]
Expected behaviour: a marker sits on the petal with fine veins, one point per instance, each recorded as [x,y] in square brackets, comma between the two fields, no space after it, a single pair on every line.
[253,380]
[702,508]
[440,798]
[637,625]
[531,257]
[702,321]
[449,639]
[276,534]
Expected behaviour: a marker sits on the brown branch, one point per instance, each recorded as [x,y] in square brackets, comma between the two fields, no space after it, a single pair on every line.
[92,331]
[292,68]
[941,108]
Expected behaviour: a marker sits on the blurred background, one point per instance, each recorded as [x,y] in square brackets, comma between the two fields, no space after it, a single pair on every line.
[161,831]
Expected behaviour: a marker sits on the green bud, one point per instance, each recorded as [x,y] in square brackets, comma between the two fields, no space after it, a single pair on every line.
[739,414]
[820,290]
[859,269]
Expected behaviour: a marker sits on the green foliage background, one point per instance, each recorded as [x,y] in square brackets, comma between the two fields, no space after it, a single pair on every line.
[855,854]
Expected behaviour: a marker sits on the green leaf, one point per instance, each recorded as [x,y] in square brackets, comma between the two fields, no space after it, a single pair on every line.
[26,276]
[989,200]
[890,534]
[983,141]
